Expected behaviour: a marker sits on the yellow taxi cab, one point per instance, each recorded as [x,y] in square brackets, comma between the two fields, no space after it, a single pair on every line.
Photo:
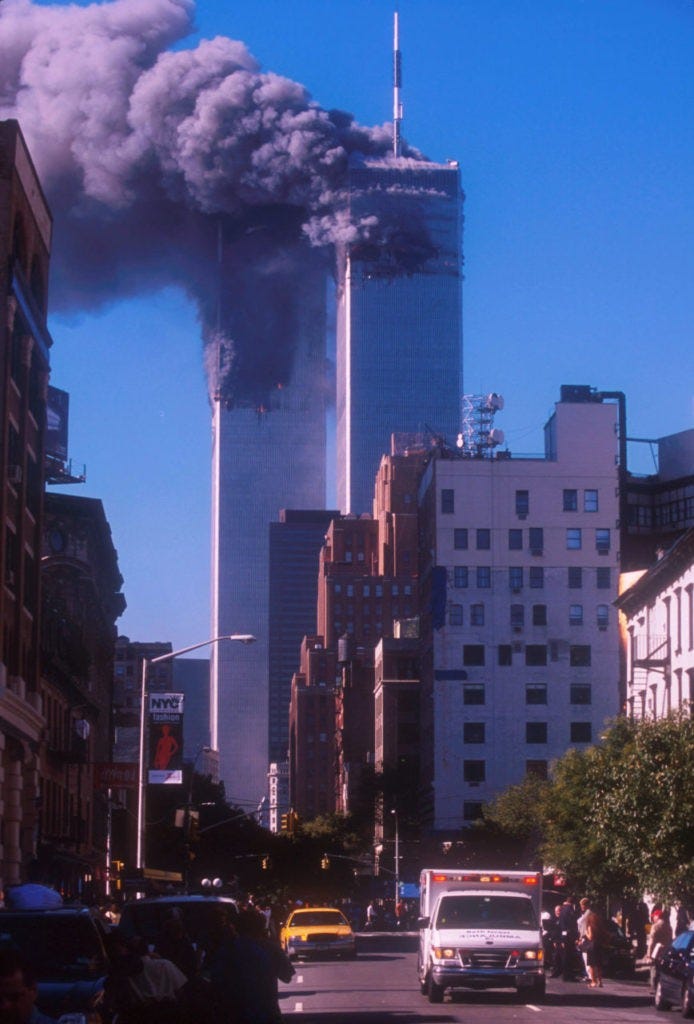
[318,931]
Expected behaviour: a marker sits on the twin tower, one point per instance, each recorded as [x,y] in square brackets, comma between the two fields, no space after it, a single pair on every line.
[394,319]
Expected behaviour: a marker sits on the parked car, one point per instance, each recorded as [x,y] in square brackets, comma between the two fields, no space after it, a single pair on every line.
[145,918]
[674,983]
[620,954]
[66,947]
[315,931]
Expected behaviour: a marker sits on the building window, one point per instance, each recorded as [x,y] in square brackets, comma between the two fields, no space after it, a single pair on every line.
[517,617]
[580,693]
[538,769]
[535,732]
[536,540]
[576,614]
[459,576]
[522,503]
[447,501]
[350,590]
[515,577]
[539,615]
[338,588]
[581,732]
[505,654]
[602,541]
[474,771]
[575,577]
[484,577]
[603,616]
[536,654]
[573,539]
[484,539]
[473,732]
[590,501]
[473,693]
[515,540]
[477,614]
[455,615]
[395,590]
[473,654]
[472,810]
[579,655]
[570,500]
[536,693]
[536,577]
[460,538]
[603,579]
[379,590]
[366,590]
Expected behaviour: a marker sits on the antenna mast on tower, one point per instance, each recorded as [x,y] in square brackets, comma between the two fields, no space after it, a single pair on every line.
[397,82]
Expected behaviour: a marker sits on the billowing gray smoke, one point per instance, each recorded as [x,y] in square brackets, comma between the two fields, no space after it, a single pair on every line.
[156,161]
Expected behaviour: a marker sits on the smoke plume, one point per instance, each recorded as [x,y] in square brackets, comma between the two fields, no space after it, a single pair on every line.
[162,165]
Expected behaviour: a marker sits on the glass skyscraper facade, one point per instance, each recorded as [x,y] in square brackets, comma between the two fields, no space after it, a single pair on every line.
[399,317]
[264,459]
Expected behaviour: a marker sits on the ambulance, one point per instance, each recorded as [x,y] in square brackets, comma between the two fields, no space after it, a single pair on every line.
[480,930]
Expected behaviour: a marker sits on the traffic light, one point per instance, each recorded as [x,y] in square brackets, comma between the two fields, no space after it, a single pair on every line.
[325,862]
[285,823]
[265,863]
[194,827]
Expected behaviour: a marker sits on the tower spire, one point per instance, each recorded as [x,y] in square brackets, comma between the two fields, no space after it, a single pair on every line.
[397,82]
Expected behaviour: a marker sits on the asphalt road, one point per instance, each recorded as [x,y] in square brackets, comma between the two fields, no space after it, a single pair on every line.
[381,987]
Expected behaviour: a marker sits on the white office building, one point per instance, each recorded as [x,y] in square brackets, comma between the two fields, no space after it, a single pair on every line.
[520,575]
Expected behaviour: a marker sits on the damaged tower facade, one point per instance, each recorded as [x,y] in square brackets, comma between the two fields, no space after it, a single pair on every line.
[267,455]
[399,317]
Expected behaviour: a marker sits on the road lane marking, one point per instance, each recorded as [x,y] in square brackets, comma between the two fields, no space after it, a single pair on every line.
[535,1009]
[299,979]
[298,1008]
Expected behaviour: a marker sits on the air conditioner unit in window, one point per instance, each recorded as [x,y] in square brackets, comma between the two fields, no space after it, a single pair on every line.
[517,629]
[14,474]
[515,590]
[522,515]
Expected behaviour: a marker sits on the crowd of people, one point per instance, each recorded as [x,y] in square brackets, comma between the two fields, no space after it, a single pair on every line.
[578,940]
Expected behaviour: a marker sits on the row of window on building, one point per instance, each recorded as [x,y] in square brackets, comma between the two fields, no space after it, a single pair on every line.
[372,589]
[475,733]
[517,615]
[535,655]
[536,693]
[574,538]
[482,576]
[570,501]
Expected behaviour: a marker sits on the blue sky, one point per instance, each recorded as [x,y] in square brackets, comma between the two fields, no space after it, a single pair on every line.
[572,123]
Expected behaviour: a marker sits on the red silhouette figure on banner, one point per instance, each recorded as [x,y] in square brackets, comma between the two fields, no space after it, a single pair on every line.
[166,748]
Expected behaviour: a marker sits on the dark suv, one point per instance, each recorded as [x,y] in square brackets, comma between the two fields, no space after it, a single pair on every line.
[146,917]
[66,948]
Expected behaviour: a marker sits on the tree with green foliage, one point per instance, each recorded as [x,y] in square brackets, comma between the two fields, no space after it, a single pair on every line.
[617,818]
[645,816]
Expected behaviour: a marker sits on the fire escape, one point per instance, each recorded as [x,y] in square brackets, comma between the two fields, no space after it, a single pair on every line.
[649,654]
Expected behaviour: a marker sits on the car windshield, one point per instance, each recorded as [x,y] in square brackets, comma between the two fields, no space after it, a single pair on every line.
[480,911]
[59,946]
[311,918]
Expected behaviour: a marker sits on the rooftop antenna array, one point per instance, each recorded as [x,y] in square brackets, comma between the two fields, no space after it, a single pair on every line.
[397,82]
[478,436]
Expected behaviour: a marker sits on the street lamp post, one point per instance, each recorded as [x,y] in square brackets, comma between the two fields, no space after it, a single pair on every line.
[243,638]
[397,858]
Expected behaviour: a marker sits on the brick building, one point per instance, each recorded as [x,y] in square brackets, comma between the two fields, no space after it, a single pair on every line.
[25,242]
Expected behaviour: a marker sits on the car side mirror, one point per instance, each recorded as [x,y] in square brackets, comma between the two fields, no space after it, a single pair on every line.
[423,922]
